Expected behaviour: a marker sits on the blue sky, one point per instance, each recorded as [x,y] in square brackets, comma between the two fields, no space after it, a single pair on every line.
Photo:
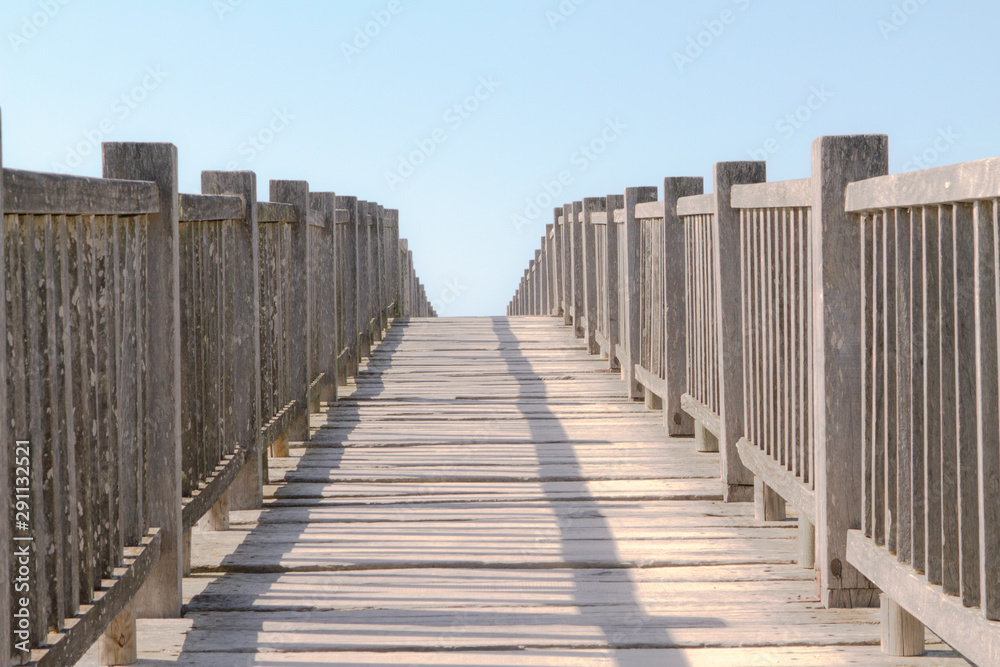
[297,89]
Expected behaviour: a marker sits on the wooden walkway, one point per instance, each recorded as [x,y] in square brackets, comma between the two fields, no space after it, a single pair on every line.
[485,496]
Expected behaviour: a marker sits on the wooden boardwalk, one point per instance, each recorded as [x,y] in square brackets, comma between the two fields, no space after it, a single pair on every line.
[485,496]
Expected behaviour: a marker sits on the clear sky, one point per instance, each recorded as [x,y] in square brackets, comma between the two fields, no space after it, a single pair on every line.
[297,90]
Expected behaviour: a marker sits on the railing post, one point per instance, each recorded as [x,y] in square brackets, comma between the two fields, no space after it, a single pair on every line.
[550,271]
[836,325]
[246,491]
[5,536]
[378,235]
[736,478]
[573,216]
[296,193]
[350,282]
[561,272]
[325,283]
[160,595]
[404,258]
[591,205]
[630,309]
[392,256]
[612,204]
[677,422]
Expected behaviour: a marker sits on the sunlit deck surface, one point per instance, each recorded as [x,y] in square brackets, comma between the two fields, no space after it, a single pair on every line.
[484,495]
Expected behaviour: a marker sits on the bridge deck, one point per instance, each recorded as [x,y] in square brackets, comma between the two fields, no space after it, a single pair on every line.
[485,496]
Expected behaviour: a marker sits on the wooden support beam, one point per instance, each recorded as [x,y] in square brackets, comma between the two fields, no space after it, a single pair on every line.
[296,193]
[737,480]
[677,422]
[836,326]
[160,596]
[902,633]
[246,491]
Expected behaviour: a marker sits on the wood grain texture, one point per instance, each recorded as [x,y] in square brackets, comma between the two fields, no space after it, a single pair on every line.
[460,513]
[161,594]
[837,161]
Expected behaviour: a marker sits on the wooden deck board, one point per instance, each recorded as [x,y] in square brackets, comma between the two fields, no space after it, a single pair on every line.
[483,495]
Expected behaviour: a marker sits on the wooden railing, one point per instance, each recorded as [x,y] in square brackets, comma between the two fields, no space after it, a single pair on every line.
[158,344]
[930,444]
[835,338]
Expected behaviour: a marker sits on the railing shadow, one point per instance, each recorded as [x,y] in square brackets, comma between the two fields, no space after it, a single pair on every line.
[334,615]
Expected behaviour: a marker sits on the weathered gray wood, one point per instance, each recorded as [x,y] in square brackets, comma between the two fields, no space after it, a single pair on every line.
[296,193]
[737,480]
[902,634]
[323,321]
[967,181]
[632,286]
[562,251]
[246,489]
[837,161]
[965,408]
[775,476]
[677,421]
[160,596]
[195,208]
[116,592]
[50,194]
[807,544]
[775,194]
[574,218]
[704,204]
[5,436]
[701,414]
[767,505]
[591,205]
[272,212]
[987,216]
[943,614]
[611,324]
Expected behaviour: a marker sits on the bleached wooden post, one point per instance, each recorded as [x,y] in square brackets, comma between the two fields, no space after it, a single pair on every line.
[246,491]
[296,193]
[836,325]
[552,265]
[392,256]
[591,205]
[562,250]
[630,273]
[160,596]
[324,206]
[736,478]
[677,422]
[612,204]
[573,216]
